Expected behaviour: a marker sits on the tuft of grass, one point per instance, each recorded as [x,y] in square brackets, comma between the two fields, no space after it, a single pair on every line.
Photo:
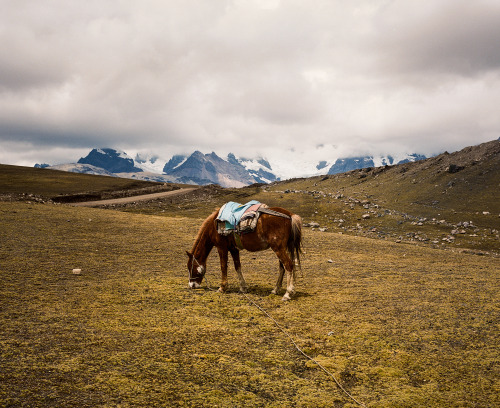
[398,325]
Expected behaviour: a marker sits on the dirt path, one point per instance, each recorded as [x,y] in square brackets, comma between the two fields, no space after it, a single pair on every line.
[125,200]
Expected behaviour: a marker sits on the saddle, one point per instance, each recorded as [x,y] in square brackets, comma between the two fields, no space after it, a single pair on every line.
[234,218]
[240,218]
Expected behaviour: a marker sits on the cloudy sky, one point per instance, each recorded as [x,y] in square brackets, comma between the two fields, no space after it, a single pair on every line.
[293,79]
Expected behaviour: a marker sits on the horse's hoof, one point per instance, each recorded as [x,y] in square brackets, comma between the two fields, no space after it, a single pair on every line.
[286,297]
[274,292]
[244,290]
[221,290]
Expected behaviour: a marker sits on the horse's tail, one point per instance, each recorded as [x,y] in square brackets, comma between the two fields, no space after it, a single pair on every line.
[295,239]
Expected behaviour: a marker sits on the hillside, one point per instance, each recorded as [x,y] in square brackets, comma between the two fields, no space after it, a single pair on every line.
[17,182]
[448,201]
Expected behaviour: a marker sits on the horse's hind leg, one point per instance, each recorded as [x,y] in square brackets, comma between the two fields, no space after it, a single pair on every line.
[279,282]
[237,265]
[290,284]
[290,271]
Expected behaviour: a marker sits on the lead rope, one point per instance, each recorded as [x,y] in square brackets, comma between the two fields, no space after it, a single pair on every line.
[302,352]
[337,382]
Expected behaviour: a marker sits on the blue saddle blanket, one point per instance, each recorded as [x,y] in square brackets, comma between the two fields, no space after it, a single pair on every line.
[231,213]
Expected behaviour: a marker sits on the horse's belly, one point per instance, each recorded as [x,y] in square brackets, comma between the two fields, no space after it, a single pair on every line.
[251,242]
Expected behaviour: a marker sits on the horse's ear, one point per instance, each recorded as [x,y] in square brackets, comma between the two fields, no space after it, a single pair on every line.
[189,254]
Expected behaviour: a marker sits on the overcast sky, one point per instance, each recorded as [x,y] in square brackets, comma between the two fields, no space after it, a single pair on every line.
[291,78]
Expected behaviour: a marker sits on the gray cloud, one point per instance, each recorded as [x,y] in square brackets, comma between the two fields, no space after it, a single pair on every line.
[448,38]
[263,76]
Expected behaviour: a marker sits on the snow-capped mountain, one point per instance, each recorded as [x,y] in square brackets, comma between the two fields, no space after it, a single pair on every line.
[198,168]
[112,160]
[232,171]
[258,168]
[343,165]
[202,168]
[82,168]
[173,163]
[149,163]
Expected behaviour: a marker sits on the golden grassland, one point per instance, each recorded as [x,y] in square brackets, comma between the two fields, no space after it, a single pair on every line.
[398,325]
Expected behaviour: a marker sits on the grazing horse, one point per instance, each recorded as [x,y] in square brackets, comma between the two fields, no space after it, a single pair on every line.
[283,234]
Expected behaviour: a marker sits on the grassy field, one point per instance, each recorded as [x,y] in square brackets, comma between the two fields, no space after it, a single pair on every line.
[398,325]
[17,182]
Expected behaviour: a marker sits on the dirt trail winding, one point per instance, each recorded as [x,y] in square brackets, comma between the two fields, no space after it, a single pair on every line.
[125,200]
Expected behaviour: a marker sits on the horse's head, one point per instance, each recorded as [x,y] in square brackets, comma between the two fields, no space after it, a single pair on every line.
[196,271]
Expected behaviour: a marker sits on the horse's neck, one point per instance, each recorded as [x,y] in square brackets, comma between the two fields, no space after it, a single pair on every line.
[203,244]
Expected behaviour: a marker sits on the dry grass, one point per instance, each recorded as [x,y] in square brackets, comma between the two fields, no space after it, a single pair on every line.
[398,325]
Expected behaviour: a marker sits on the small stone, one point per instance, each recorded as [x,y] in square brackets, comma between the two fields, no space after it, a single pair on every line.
[77,271]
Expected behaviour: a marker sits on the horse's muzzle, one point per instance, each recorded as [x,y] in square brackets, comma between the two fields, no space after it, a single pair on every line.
[194,285]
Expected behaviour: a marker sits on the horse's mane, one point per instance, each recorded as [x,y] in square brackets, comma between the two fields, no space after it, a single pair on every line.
[203,228]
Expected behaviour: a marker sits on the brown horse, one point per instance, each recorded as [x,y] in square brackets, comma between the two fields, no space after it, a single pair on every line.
[283,234]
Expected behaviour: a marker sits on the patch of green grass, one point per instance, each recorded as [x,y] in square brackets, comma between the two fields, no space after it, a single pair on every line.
[398,325]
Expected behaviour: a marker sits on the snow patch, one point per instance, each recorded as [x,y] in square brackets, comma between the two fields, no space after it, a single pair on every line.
[181,163]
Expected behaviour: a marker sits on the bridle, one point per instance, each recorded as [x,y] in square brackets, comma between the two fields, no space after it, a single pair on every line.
[191,279]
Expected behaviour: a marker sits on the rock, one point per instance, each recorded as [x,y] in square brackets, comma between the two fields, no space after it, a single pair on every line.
[313,225]
[453,168]
[366,216]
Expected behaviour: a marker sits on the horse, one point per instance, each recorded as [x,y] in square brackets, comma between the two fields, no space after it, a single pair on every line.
[281,232]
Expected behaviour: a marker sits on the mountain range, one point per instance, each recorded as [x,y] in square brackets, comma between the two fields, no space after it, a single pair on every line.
[202,169]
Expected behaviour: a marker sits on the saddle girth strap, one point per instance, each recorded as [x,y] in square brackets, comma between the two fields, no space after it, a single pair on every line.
[237,240]
[272,212]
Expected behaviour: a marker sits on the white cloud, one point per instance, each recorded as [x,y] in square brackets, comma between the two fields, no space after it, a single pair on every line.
[267,76]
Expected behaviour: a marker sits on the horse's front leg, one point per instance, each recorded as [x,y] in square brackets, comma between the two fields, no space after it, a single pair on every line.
[223,266]
[279,282]
[237,265]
